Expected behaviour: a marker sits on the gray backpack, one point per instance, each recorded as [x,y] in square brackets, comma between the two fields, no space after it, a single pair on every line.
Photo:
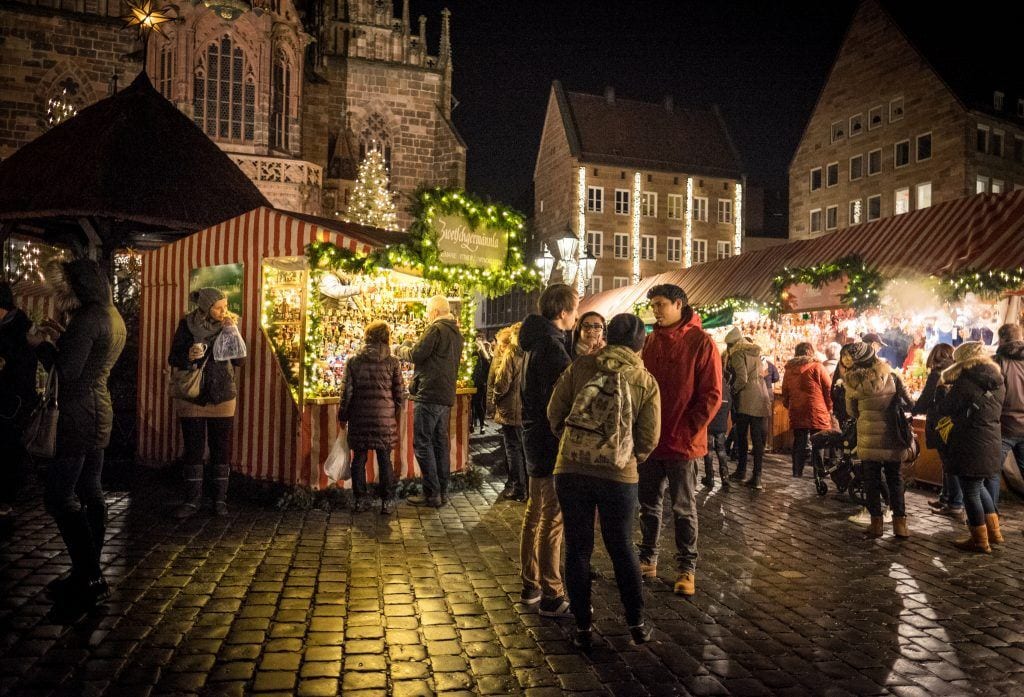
[599,428]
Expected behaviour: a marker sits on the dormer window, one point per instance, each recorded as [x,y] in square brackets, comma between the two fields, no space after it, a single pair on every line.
[997,100]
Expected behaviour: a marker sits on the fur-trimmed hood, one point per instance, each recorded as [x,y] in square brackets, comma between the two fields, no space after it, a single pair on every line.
[798,361]
[1013,350]
[745,346]
[981,370]
[869,380]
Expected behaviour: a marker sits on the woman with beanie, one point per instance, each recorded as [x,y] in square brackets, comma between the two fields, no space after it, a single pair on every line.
[752,402]
[372,397]
[606,409]
[969,439]
[871,386]
[206,420]
[951,496]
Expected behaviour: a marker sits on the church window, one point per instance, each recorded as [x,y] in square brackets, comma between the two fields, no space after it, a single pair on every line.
[165,69]
[225,95]
[375,136]
[281,98]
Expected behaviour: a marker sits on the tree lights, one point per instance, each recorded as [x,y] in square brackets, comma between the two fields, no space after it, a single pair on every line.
[371,199]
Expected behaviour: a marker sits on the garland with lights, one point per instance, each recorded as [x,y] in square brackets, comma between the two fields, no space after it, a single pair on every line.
[863,290]
[984,283]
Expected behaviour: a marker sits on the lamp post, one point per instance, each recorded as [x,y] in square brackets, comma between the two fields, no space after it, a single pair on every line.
[546,263]
[586,271]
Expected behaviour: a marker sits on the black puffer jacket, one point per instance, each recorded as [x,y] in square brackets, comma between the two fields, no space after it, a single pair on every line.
[928,404]
[17,370]
[436,356]
[547,355]
[974,403]
[219,377]
[372,393]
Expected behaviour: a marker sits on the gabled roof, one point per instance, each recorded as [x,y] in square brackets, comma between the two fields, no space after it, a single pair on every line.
[629,133]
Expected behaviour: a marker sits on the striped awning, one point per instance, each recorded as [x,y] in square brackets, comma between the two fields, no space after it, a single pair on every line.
[983,232]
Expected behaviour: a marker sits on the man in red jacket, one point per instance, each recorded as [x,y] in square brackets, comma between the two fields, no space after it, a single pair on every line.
[685,362]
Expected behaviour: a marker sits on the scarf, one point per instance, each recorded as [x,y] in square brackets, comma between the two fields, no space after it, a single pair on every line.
[203,328]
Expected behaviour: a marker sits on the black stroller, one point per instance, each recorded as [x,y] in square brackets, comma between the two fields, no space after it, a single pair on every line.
[832,457]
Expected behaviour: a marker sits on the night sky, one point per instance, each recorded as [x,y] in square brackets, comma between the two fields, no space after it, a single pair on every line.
[762,62]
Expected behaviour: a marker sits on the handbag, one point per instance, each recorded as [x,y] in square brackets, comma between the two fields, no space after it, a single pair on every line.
[904,429]
[187,383]
[40,435]
[338,465]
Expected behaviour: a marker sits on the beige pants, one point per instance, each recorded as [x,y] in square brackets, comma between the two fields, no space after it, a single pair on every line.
[540,549]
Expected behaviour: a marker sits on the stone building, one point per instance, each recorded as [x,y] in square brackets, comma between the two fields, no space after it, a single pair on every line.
[648,187]
[295,92]
[909,116]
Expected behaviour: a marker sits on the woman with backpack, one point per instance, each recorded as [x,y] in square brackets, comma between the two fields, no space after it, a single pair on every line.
[504,398]
[606,409]
[951,496]
[969,438]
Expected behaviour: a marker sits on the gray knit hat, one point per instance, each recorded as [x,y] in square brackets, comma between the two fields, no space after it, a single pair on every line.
[733,336]
[204,298]
[857,354]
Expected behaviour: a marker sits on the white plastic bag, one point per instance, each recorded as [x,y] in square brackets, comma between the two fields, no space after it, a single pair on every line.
[338,465]
[229,344]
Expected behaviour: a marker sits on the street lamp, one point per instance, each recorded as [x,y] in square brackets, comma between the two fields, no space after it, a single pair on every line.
[587,265]
[546,263]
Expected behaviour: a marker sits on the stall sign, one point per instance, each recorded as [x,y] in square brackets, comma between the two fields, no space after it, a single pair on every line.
[803,297]
[459,245]
[226,277]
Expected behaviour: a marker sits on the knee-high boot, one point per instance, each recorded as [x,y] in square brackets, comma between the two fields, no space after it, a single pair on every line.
[96,514]
[74,530]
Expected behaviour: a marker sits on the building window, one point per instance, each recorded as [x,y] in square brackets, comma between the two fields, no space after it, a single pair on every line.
[375,136]
[816,220]
[280,101]
[724,210]
[997,143]
[815,178]
[896,109]
[648,250]
[832,217]
[981,140]
[901,201]
[165,69]
[874,207]
[875,117]
[924,147]
[874,162]
[838,131]
[924,195]
[674,249]
[675,206]
[700,209]
[619,282]
[699,251]
[595,199]
[832,174]
[649,204]
[856,167]
[856,210]
[595,243]
[901,154]
[621,245]
[1020,108]
[1018,149]
[856,125]
[724,250]
[997,186]
[981,185]
[997,100]
[622,201]
[596,285]
[224,101]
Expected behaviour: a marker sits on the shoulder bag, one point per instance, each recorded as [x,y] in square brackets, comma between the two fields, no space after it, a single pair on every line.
[188,383]
[40,435]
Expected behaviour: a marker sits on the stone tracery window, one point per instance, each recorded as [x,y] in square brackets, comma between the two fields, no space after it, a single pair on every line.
[280,100]
[225,93]
[375,136]
[165,69]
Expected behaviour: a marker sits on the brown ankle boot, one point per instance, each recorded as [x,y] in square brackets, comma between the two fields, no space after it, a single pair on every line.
[977,542]
[995,535]
[875,528]
[899,526]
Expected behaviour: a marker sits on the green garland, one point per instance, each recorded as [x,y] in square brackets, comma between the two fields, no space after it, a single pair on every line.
[419,250]
[984,283]
[863,290]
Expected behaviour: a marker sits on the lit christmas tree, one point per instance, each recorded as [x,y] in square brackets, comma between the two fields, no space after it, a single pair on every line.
[371,201]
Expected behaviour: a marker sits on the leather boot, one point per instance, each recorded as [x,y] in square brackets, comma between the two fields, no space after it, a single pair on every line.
[74,529]
[995,535]
[899,526]
[875,528]
[977,542]
[96,514]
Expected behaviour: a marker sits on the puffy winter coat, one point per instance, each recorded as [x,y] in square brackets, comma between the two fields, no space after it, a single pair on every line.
[436,356]
[869,394]
[546,357]
[807,394]
[220,379]
[372,394]
[85,353]
[974,402]
[504,387]
[1010,359]
[17,370]
[748,387]
[646,408]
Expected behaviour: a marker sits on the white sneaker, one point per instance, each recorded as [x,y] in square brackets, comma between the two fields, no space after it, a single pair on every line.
[861,517]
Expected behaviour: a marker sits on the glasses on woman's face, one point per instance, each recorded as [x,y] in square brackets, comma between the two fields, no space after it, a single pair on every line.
[596,327]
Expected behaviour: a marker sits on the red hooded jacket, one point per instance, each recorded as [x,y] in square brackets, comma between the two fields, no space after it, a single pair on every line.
[685,362]
[807,394]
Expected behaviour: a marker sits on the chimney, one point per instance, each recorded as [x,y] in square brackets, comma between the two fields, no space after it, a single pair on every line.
[609,95]
[669,104]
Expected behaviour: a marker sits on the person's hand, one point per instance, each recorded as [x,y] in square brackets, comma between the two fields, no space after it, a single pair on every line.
[195,352]
[228,321]
[53,326]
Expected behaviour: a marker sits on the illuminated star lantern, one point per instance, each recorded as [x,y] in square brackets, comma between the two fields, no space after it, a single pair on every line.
[145,17]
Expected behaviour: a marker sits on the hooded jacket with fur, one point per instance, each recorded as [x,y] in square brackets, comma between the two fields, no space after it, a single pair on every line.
[504,383]
[974,402]
[1010,359]
[869,393]
[807,394]
[749,390]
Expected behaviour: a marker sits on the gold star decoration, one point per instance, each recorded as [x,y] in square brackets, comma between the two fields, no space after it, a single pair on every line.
[142,14]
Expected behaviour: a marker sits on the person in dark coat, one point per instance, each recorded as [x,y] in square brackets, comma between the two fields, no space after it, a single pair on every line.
[481,369]
[373,394]
[208,419]
[969,436]
[18,395]
[717,431]
[951,496]
[1010,359]
[436,357]
[83,356]
[543,339]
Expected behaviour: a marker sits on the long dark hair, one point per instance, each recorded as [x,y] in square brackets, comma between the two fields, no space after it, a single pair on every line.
[578,329]
[940,357]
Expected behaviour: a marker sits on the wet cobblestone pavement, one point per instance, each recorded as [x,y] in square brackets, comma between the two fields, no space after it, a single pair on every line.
[790,601]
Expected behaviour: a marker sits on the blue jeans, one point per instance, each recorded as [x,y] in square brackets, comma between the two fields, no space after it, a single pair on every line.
[978,501]
[430,444]
[579,497]
[952,493]
[515,456]
[73,495]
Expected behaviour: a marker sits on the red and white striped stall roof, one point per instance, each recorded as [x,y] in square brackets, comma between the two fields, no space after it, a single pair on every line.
[983,232]
[268,438]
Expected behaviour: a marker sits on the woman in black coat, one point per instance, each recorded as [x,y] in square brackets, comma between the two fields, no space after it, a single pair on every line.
[969,438]
[717,430]
[951,496]
[18,396]
[373,394]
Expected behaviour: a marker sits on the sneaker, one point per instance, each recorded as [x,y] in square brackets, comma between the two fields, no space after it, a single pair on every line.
[648,569]
[530,596]
[583,640]
[508,492]
[686,583]
[519,496]
[708,482]
[738,476]
[186,510]
[755,483]
[220,508]
[428,501]
[725,482]
[555,607]
[641,633]
[936,505]
[387,506]
[957,514]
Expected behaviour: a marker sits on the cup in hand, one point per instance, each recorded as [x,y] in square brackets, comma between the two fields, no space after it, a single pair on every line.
[197,351]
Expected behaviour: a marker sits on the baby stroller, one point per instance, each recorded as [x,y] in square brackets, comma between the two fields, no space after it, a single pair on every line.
[832,458]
